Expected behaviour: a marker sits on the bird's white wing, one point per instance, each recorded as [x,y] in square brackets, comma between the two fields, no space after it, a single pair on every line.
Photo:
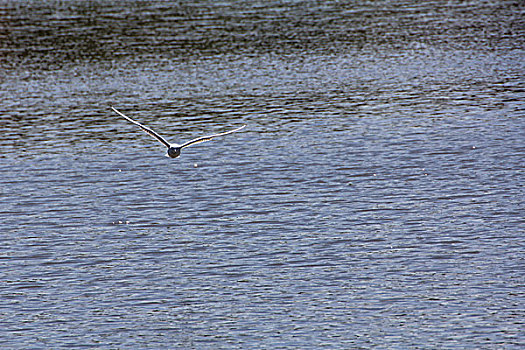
[208,138]
[146,129]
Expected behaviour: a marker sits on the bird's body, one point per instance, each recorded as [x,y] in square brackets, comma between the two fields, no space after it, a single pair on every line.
[174,149]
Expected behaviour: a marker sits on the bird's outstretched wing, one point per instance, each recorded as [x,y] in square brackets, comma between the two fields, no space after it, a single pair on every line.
[208,138]
[146,129]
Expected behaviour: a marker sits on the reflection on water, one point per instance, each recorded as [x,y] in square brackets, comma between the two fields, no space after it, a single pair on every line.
[52,33]
[374,200]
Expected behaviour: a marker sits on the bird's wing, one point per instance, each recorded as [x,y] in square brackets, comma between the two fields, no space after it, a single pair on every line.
[208,138]
[146,129]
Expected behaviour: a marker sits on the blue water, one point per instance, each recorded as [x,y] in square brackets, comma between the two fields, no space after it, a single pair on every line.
[375,199]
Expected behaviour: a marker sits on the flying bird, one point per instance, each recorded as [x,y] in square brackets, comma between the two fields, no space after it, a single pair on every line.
[173,148]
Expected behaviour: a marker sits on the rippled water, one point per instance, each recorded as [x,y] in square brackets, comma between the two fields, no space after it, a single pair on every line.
[375,199]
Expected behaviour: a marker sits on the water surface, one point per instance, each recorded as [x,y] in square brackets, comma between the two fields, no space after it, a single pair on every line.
[375,199]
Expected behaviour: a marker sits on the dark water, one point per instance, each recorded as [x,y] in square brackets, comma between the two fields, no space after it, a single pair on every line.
[375,199]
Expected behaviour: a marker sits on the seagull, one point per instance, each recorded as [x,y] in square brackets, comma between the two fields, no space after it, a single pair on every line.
[173,148]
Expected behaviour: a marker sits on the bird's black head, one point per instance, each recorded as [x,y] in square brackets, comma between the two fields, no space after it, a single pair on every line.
[173,152]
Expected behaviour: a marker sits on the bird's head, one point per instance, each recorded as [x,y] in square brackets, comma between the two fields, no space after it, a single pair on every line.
[173,152]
